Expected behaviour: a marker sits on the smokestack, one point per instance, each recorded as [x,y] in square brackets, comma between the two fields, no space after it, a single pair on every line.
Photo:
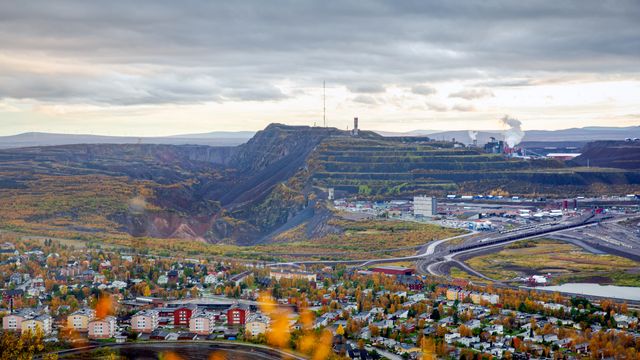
[355,126]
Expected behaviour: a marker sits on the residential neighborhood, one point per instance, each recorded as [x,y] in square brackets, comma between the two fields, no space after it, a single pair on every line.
[384,312]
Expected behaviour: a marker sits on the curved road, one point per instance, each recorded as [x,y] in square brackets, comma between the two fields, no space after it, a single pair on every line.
[435,268]
[426,250]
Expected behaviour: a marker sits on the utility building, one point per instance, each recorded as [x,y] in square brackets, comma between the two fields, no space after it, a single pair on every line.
[424,206]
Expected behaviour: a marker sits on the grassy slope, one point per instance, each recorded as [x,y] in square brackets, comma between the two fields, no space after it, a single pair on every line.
[65,205]
[359,238]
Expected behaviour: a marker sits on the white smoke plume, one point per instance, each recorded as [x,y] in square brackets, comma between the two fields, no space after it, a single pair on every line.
[473,135]
[514,134]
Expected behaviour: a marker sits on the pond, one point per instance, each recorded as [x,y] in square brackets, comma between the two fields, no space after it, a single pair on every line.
[610,291]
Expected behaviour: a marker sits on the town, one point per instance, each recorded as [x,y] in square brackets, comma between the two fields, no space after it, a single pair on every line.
[69,297]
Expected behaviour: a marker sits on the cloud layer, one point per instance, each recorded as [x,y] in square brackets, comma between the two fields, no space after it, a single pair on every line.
[118,53]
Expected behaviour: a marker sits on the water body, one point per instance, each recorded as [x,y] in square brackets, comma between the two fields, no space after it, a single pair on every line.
[611,291]
[182,351]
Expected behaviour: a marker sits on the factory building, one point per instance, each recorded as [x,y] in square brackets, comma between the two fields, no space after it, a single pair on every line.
[494,146]
[393,270]
[563,156]
[424,206]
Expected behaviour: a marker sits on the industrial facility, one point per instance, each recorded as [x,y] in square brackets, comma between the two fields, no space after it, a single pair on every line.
[424,206]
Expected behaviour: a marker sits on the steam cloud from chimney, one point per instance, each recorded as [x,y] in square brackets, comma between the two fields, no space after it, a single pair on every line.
[473,135]
[514,134]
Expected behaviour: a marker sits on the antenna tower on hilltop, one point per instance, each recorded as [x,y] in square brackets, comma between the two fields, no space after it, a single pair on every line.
[324,103]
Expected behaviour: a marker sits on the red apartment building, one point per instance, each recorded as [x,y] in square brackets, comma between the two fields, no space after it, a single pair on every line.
[237,315]
[182,315]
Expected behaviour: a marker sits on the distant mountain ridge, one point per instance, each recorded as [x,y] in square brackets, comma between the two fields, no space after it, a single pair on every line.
[216,135]
[217,138]
[589,133]
[233,138]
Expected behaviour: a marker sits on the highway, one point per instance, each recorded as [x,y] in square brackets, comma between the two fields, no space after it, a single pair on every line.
[435,258]
[434,251]
[437,267]
[425,251]
[430,248]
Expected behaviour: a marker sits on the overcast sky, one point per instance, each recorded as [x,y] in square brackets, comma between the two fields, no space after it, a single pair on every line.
[169,67]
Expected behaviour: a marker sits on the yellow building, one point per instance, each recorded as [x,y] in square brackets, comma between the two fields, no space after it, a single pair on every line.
[476,298]
[452,294]
[79,320]
[42,322]
[256,324]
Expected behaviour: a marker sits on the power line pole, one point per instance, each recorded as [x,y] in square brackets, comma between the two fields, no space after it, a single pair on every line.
[324,103]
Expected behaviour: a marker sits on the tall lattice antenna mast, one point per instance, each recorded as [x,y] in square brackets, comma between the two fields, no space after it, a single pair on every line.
[324,103]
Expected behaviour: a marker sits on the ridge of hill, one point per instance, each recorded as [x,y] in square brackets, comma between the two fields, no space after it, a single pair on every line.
[31,139]
[269,185]
[234,138]
[585,134]
[617,154]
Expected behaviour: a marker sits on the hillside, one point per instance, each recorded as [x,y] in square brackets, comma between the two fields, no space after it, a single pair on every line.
[618,154]
[264,189]
[217,194]
[394,167]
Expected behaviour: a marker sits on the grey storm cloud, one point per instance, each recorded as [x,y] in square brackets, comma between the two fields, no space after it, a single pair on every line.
[470,94]
[367,88]
[166,51]
[425,90]
[463,107]
[365,99]
[434,106]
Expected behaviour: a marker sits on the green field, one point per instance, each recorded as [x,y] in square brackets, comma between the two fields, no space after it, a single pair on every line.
[564,261]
